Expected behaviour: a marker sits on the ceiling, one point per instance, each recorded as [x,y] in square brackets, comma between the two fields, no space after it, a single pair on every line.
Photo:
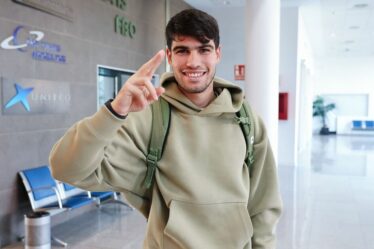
[336,28]
[341,28]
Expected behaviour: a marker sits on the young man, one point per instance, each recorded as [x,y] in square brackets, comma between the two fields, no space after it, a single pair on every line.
[203,194]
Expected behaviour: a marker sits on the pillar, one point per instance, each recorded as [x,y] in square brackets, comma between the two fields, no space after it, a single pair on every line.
[262,62]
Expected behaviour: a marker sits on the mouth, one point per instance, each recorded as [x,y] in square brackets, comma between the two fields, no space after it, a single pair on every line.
[194,75]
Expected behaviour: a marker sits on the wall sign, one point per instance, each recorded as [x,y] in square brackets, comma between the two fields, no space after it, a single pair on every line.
[239,72]
[20,97]
[122,25]
[31,96]
[121,4]
[283,106]
[23,39]
[58,8]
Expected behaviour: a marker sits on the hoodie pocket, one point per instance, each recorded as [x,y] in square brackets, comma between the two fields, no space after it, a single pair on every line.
[208,226]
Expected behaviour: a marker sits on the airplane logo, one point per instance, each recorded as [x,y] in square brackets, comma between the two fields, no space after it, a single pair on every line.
[21,96]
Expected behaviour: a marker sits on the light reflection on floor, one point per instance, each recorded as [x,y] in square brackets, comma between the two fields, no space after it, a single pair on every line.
[329,196]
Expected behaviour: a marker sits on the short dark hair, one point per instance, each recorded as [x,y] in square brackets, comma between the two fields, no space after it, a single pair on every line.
[194,23]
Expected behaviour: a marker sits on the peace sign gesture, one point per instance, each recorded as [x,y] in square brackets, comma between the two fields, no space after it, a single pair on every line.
[138,91]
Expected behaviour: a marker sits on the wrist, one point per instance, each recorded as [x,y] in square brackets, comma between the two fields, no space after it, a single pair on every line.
[114,110]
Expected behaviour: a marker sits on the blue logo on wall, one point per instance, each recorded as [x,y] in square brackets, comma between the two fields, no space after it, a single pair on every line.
[13,42]
[23,38]
[21,96]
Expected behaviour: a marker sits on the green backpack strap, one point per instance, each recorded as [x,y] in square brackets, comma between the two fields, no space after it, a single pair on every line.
[245,119]
[160,127]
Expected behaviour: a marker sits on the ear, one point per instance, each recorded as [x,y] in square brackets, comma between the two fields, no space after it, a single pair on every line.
[218,53]
[168,55]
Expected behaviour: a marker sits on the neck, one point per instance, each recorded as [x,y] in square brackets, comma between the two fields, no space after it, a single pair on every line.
[202,99]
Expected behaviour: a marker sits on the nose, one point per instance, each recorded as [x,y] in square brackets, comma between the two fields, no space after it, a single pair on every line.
[193,59]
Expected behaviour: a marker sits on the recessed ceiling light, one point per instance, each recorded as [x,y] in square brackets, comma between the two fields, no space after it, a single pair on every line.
[360,5]
[332,35]
[354,27]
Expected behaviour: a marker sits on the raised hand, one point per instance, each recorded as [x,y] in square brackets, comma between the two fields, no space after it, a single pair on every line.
[138,91]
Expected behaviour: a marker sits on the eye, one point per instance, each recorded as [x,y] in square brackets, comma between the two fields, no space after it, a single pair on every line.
[205,50]
[181,51]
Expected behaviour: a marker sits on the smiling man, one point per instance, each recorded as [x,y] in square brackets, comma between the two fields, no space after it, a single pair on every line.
[194,65]
[204,193]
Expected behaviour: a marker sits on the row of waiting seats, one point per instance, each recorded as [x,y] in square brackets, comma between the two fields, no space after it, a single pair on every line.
[48,195]
[363,125]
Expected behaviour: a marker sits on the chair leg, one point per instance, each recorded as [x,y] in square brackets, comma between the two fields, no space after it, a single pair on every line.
[59,242]
[117,202]
[97,202]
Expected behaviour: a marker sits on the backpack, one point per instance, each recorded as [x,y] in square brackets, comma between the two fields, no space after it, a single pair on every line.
[160,126]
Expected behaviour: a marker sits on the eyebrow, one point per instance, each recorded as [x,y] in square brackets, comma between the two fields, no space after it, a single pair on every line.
[198,47]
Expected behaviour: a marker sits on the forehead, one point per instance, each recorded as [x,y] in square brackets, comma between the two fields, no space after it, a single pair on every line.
[189,41]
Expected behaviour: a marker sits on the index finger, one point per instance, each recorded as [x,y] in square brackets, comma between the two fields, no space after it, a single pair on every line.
[150,66]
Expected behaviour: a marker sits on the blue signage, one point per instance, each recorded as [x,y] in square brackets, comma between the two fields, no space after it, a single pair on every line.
[41,50]
[32,96]
[21,96]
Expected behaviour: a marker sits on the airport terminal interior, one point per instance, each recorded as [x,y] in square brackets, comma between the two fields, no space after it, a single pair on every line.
[305,67]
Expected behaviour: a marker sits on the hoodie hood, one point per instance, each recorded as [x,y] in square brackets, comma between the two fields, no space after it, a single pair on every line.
[229,97]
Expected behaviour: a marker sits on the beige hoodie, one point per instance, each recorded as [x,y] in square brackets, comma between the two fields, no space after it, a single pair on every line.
[202,197]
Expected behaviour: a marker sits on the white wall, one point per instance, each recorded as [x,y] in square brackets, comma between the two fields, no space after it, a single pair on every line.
[352,76]
[288,66]
[296,78]
[305,104]
[306,84]
[349,76]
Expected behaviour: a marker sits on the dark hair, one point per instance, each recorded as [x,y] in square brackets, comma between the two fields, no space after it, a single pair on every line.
[194,23]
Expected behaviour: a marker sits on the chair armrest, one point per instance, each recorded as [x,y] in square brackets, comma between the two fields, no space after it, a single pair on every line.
[59,199]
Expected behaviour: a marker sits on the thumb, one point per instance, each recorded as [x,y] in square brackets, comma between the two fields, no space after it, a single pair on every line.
[159,91]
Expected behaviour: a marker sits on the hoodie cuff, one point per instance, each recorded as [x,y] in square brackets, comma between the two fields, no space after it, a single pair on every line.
[110,108]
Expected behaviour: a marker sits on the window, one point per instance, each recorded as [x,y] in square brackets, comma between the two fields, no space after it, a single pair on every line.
[110,80]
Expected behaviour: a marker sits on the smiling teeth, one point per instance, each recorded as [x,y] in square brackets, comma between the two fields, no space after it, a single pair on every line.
[194,75]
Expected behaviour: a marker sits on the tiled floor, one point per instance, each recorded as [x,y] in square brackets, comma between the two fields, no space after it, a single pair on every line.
[111,226]
[329,198]
[328,204]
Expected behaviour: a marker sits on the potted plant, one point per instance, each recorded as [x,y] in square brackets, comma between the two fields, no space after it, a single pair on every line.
[321,109]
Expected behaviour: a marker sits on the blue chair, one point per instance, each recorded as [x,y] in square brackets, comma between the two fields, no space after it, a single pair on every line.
[108,197]
[100,198]
[44,194]
[68,190]
[369,124]
[42,190]
[357,125]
